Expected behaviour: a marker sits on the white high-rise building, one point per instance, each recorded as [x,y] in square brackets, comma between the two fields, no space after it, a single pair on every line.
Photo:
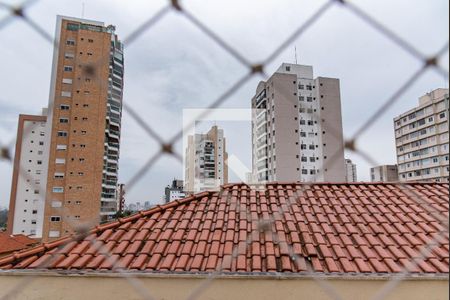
[27,200]
[206,157]
[421,138]
[350,169]
[297,127]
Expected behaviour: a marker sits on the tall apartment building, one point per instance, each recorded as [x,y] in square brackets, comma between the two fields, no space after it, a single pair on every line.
[297,127]
[205,161]
[421,138]
[350,171]
[27,198]
[83,126]
[384,173]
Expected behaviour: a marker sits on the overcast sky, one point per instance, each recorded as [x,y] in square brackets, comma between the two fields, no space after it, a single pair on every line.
[174,66]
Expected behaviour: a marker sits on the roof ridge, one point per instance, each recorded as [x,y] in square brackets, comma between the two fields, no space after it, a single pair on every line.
[228,185]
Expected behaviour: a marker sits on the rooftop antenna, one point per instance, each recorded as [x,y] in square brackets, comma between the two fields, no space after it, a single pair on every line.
[296,55]
[82,10]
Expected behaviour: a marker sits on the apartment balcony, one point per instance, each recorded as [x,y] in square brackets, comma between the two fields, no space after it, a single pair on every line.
[110,172]
[113,134]
[109,185]
[113,121]
[108,212]
[111,158]
[112,146]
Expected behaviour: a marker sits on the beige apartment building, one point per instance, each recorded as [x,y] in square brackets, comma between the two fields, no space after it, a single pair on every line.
[27,198]
[421,137]
[384,173]
[83,127]
[297,127]
[205,161]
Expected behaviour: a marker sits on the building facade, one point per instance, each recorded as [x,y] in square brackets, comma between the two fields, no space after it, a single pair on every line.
[27,198]
[174,191]
[384,173]
[421,138]
[350,169]
[205,161]
[83,126]
[297,127]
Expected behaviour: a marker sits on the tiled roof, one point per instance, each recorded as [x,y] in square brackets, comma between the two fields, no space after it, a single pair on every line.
[291,228]
[10,243]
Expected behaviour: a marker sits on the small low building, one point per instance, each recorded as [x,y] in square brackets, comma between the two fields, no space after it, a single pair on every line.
[277,241]
[11,243]
[384,173]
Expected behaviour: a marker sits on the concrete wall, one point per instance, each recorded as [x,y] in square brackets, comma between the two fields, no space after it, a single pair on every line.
[287,164]
[178,287]
[328,91]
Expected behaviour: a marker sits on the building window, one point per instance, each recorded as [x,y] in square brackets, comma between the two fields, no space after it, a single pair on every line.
[61,147]
[56,203]
[67,81]
[305,171]
[59,175]
[308,99]
[60,161]
[68,68]
[34,212]
[53,233]
[58,189]
[64,107]
[63,120]
[62,133]
[38,172]
[55,219]
[33,222]
[66,94]
[90,40]
[69,55]
[77,202]
[70,42]
[73,26]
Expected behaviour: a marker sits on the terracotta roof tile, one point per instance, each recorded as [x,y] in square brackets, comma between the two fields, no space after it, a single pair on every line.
[290,227]
[10,243]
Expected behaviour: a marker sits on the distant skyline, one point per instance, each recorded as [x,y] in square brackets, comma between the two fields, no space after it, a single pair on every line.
[173,66]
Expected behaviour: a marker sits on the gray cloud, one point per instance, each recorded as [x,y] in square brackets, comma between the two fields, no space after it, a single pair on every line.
[174,66]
